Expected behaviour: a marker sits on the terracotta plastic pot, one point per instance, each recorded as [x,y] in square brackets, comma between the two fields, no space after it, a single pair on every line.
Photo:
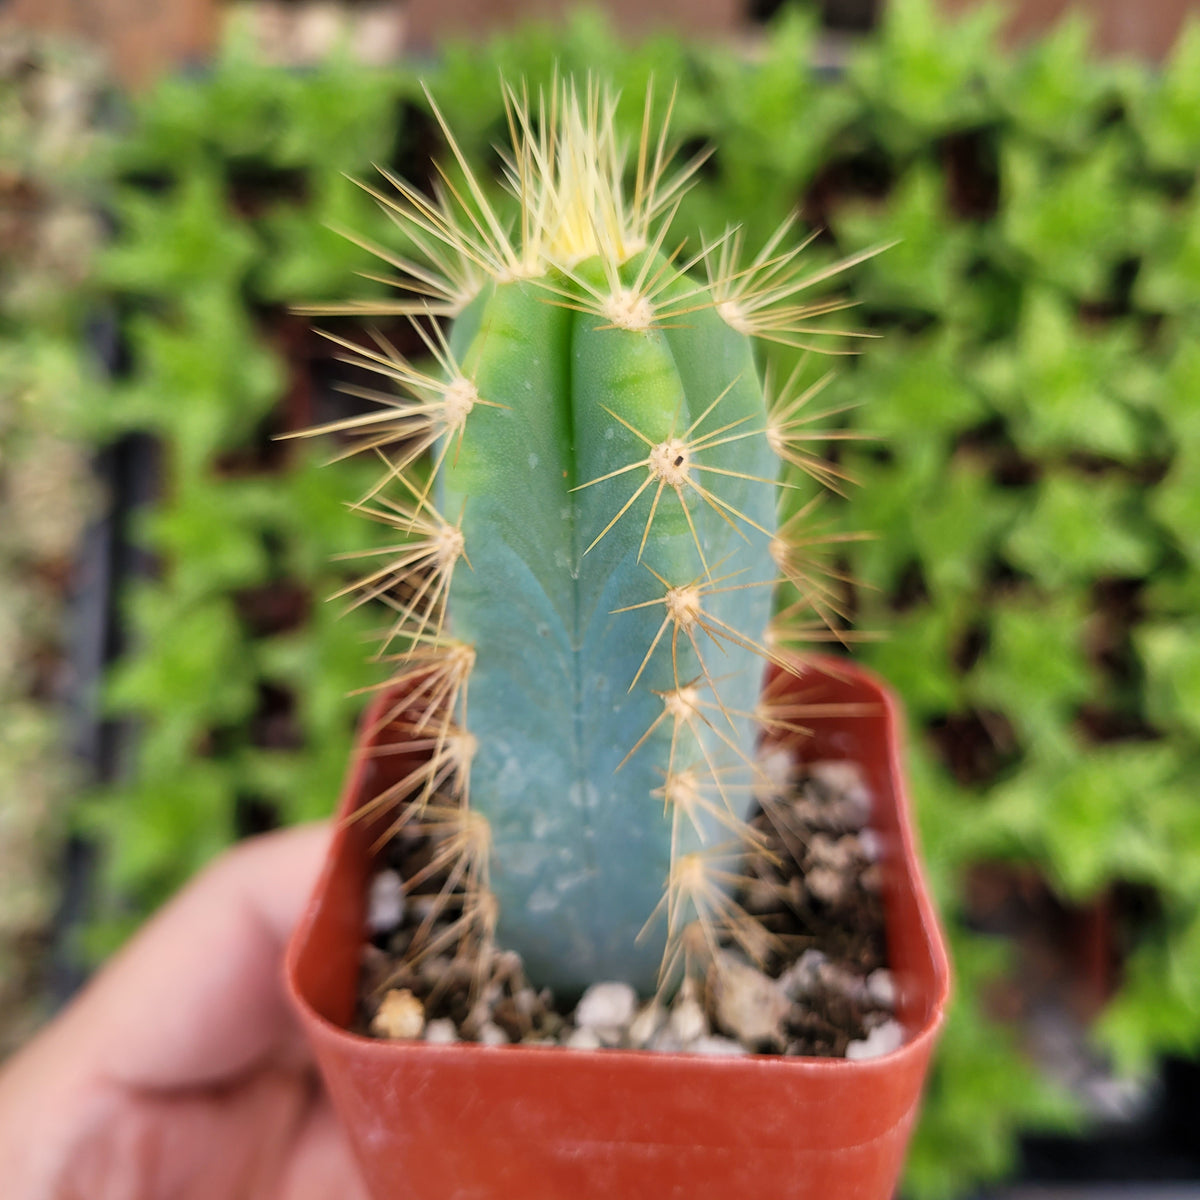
[471,1122]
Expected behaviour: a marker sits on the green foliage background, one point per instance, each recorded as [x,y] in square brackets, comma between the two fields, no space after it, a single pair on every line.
[51,164]
[1036,405]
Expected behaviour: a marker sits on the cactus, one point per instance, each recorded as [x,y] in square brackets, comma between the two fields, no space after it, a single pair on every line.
[585,485]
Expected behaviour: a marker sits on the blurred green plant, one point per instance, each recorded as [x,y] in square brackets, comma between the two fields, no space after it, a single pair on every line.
[1033,479]
[52,156]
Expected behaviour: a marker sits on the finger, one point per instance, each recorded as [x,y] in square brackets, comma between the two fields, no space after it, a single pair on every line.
[204,1144]
[321,1166]
[197,998]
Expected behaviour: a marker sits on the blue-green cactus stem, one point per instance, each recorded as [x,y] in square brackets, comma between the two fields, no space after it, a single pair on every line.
[582,841]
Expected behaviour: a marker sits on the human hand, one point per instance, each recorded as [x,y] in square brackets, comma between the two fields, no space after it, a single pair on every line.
[179,1072]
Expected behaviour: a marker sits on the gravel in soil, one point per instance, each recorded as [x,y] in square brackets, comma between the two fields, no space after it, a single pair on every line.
[818,983]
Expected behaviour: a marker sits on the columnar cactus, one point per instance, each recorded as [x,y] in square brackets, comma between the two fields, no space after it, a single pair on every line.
[587,484]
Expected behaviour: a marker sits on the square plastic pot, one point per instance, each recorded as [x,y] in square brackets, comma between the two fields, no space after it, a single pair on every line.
[472,1122]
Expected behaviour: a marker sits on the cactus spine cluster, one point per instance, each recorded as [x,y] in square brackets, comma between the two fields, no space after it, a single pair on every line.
[585,485]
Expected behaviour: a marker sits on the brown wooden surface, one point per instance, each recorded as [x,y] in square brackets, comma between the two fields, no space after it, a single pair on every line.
[430,20]
[1145,28]
[144,37]
[140,37]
